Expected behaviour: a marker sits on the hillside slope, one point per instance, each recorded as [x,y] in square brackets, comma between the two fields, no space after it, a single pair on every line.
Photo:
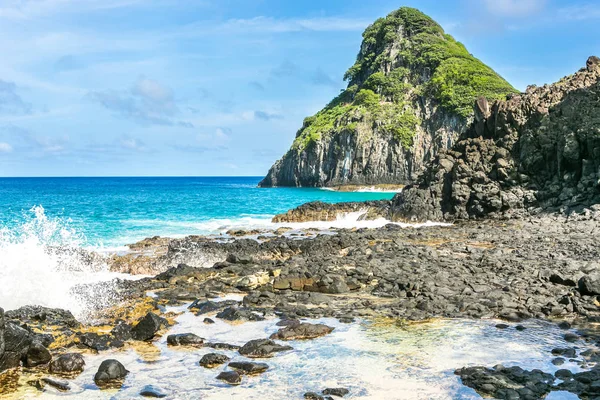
[409,95]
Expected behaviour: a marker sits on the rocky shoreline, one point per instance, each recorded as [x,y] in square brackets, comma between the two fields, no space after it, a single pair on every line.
[541,268]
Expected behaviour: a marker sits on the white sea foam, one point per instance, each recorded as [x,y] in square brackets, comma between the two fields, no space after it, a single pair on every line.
[42,263]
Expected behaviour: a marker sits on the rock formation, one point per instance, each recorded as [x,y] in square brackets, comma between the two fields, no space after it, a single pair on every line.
[539,151]
[410,95]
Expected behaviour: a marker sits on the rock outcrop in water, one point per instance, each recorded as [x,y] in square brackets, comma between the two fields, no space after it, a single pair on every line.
[539,151]
[409,95]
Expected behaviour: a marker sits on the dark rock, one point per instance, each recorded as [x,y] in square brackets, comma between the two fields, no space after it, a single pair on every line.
[563,374]
[98,342]
[520,328]
[185,339]
[507,383]
[565,352]
[148,326]
[50,316]
[67,364]
[589,285]
[221,346]
[249,368]
[37,355]
[313,396]
[340,392]
[558,361]
[502,326]
[152,391]
[111,373]
[207,306]
[212,360]
[121,332]
[239,314]
[564,325]
[16,341]
[571,337]
[302,331]
[262,348]
[208,321]
[231,377]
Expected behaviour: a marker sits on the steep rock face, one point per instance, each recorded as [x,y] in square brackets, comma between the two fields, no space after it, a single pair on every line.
[409,96]
[537,151]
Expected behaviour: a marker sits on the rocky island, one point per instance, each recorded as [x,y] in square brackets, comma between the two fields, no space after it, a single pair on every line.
[517,174]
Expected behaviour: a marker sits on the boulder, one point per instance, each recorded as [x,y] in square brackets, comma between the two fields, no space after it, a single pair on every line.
[152,391]
[589,285]
[340,392]
[249,368]
[239,314]
[67,364]
[111,373]
[185,339]
[36,355]
[148,326]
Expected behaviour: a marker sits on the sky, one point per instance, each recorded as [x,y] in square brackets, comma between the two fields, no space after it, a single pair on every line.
[220,87]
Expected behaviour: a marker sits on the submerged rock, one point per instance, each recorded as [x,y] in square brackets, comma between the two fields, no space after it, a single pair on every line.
[185,339]
[231,377]
[262,348]
[67,364]
[340,392]
[148,326]
[111,373]
[302,331]
[239,314]
[212,360]
[152,391]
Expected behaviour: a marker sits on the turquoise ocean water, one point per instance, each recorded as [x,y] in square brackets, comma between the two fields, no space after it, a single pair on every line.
[118,211]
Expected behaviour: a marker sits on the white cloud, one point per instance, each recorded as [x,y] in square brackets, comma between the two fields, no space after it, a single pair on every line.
[130,143]
[514,8]
[5,148]
[580,12]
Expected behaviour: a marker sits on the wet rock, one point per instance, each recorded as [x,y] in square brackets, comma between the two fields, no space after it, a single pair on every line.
[571,337]
[208,321]
[212,360]
[313,396]
[37,355]
[62,386]
[507,383]
[16,341]
[589,285]
[563,374]
[111,373]
[288,322]
[262,348]
[67,364]
[565,352]
[98,342]
[152,391]
[239,314]
[185,339]
[33,315]
[340,392]
[249,368]
[231,377]
[221,346]
[302,331]
[148,326]
[502,326]
[520,328]
[122,332]
[564,325]
[558,361]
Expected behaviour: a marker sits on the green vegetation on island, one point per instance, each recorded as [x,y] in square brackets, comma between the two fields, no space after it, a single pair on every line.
[403,56]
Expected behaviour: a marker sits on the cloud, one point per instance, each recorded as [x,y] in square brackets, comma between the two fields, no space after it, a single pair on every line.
[148,102]
[580,12]
[213,141]
[285,69]
[288,69]
[5,147]
[514,8]
[10,101]
[267,116]
[129,143]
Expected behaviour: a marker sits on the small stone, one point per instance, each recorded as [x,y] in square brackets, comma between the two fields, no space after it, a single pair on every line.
[59,385]
[340,392]
[313,396]
[571,337]
[558,361]
[262,348]
[208,321]
[520,328]
[502,326]
[212,360]
[564,325]
[231,377]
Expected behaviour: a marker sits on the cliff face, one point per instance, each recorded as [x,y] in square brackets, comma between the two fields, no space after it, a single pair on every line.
[409,95]
[534,152]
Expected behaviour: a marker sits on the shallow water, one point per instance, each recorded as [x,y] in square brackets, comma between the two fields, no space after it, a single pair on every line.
[373,361]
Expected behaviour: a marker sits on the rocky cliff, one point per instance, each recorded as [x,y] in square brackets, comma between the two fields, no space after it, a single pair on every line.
[539,151]
[409,95]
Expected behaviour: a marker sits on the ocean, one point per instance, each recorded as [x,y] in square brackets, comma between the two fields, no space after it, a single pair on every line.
[112,212]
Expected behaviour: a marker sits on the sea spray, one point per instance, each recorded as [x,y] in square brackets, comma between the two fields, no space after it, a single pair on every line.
[42,262]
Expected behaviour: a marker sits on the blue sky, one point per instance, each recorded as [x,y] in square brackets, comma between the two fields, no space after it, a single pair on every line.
[219,87]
